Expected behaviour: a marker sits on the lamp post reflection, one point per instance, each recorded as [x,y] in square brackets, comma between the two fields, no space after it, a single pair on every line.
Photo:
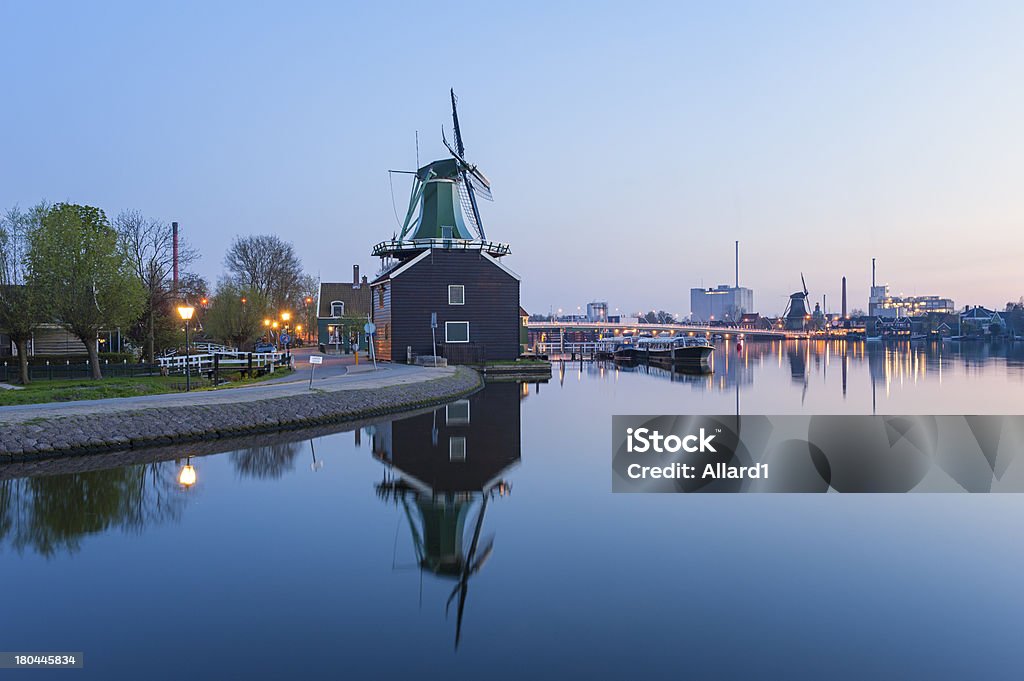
[316,465]
[187,475]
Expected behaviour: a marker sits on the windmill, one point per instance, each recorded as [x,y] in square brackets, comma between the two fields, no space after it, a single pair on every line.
[796,311]
[444,204]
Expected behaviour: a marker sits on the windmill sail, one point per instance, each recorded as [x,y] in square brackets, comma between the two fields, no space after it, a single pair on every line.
[466,184]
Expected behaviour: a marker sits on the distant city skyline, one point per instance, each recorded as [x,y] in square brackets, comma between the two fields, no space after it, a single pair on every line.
[628,150]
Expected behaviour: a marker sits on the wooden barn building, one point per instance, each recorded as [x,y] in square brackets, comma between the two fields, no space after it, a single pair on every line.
[442,283]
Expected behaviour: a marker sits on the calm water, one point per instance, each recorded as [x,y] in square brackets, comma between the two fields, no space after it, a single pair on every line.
[375,554]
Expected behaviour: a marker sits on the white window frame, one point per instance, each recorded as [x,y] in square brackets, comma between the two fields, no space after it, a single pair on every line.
[452,287]
[447,336]
[457,453]
[456,416]
[338,302]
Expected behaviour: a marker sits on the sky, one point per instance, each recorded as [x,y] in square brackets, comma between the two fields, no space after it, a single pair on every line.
[629,144]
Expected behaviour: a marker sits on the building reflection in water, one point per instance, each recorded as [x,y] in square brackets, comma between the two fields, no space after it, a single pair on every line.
[887,365]
[443,469]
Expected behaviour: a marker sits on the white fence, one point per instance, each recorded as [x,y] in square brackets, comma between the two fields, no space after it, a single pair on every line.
[225,360]
[213,348]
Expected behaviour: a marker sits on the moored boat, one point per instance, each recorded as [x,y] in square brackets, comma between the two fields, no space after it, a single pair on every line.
[678,352]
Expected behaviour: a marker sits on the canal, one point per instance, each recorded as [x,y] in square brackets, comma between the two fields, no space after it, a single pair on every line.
[373,553]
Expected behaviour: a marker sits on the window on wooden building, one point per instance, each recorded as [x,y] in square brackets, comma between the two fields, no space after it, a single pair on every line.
[380,297]
[456,413]
[337,308]
[456,332]
[456,294]
[456,449]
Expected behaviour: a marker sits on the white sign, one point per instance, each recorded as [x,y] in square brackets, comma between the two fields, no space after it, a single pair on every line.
[369,327]
[316,359]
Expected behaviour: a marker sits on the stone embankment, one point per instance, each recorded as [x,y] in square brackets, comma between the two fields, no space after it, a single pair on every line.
[121,430]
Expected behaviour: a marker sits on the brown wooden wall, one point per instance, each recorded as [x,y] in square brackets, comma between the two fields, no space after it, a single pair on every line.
[380,305]
[492,306]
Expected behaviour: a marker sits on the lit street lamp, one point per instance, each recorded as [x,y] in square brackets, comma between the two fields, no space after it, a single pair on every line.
[285,318]
[185,312]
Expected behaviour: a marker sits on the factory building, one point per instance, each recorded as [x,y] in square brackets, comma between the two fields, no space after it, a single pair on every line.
[725,302]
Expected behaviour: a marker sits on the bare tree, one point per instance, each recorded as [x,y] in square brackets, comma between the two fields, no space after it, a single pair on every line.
[266,265]
[150,248]
[19,309]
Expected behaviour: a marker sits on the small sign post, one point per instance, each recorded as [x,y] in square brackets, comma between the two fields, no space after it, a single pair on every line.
[313,361]
[369,328]
[433,335]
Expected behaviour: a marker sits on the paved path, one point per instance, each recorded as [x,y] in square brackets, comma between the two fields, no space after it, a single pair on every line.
[333,365]
[338,376]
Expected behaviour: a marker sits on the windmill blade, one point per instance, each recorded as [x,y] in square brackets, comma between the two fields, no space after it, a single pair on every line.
[485,553]
[480,184]
[802,281]
[476,177]
[455,121]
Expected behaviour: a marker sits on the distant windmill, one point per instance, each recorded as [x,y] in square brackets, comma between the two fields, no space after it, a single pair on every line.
[797,311]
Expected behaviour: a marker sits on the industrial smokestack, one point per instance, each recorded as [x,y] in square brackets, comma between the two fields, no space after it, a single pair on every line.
[872,272]
[737,263]
[844,297]
[174,255]
[355,275]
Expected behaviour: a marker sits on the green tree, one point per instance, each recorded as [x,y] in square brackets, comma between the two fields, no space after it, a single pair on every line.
[235,315]
[82,277]
[19,309]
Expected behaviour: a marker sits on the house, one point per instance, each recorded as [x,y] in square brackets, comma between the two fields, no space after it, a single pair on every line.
[342,309]
[753,320]
[55,340]
[463,302]
[980,321]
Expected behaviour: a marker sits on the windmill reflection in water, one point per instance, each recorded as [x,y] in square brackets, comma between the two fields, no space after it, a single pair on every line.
[443,469]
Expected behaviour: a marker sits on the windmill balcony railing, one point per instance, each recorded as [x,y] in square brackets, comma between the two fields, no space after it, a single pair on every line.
[396,246]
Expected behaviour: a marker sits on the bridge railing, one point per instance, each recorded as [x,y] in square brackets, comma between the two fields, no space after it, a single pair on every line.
[213,348]
[225,360]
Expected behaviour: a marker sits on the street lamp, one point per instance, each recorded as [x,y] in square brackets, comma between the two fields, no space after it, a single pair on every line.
[285,318]
[185,312]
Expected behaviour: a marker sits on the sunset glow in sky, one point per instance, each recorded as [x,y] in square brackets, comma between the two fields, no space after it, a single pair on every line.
[628,144]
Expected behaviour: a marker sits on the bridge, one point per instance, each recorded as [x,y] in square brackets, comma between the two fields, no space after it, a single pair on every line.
[554,342]
[690,328]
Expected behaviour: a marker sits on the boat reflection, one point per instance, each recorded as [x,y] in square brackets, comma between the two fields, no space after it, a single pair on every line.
[444,466]
[804,362]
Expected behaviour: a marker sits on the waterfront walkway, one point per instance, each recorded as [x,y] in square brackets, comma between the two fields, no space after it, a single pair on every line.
[336,373]
[131,422]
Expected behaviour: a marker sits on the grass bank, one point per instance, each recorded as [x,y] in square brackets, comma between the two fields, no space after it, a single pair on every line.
[74,390]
